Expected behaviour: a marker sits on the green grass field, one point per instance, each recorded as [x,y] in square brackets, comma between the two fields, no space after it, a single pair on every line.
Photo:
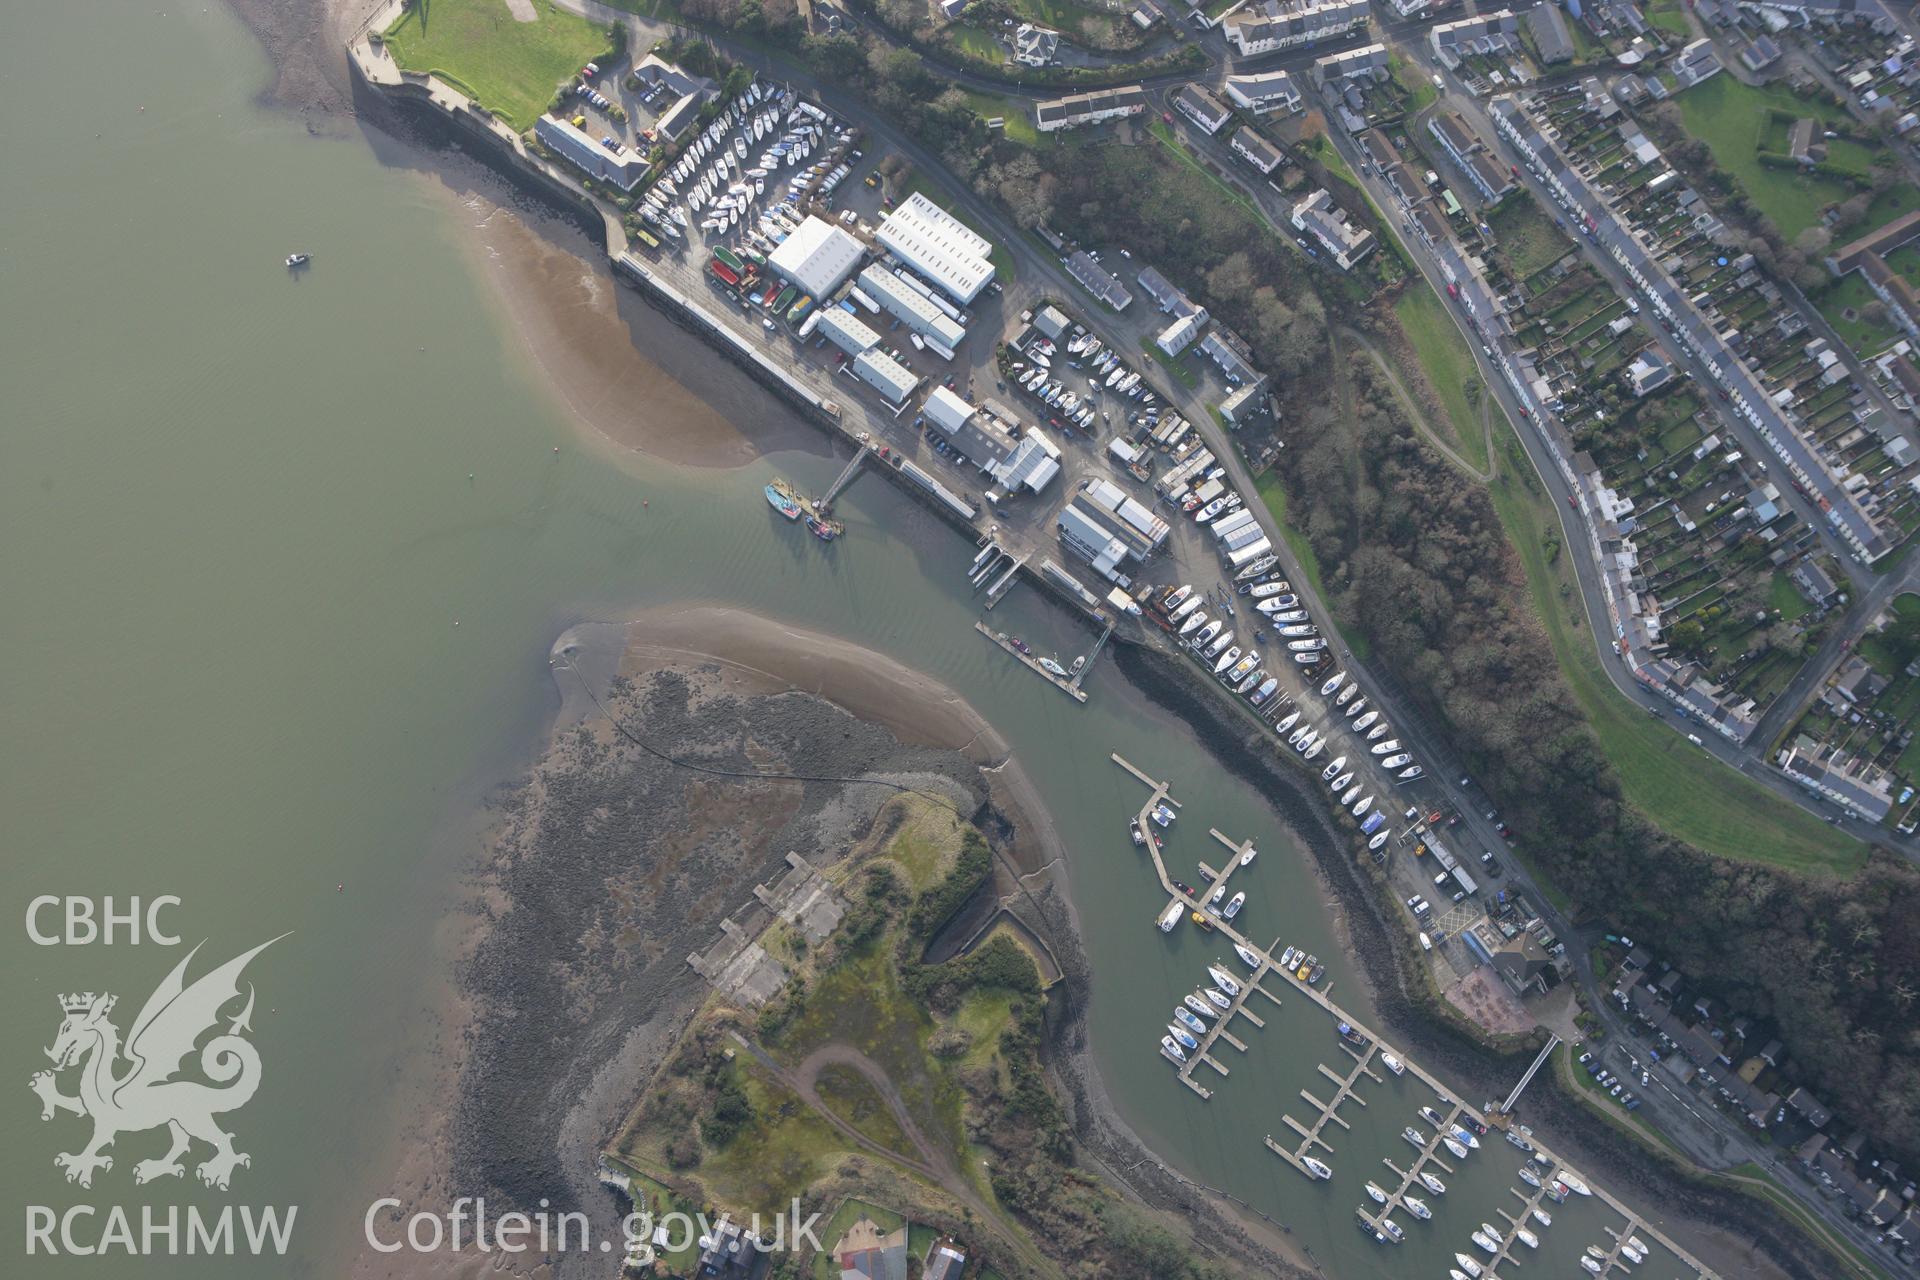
[1449,366]
[1850,294]
[1527,237]
[512,68]
[1685,791]
[1726,115]
[1666,15]
[1018,115]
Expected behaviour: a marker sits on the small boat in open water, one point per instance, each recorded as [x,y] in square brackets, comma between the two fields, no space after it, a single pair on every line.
[298,260]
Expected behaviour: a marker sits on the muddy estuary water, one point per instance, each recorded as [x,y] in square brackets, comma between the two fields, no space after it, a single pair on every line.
[285,560]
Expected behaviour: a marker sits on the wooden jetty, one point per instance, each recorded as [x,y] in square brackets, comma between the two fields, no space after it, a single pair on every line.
[1453,1108]
[1032,664]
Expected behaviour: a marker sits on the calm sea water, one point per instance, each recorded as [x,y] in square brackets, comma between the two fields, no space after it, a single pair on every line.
[283,560]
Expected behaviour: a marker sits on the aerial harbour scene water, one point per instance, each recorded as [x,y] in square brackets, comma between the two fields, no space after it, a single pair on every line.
[609,624]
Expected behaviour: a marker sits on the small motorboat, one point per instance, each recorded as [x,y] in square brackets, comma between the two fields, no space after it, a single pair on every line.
[1318,1170]
[1218,999]
[1378,1194]
[1053,667]
[1529,1177]
[1183,1036]
[1636,1244]
[298,260]
[1186,1019]
[1595,1251]
[1393,1064]
[1171,1047]
[1248,956]
[1332,771]
[1573,1182]
[1346,695]
[1480,1239]
[1526,1237]
[1286,722]
[1133,829]
[1351,1035]
[1431,1116]
[1433,1183]
[1246,859]
[1415,1138]
[1455,1273]
[1492,1233]
[1465,1135]
[1556,1191]
[1590,1264]
[1391,1230]
[1467,1264]
[1417,1207]
[1199,1005]
[1542,1217]
[1459,1152]
[1339,783]
[1221,978]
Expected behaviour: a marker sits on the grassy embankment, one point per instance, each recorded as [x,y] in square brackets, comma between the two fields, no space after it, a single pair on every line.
[1682,789]
[511,68]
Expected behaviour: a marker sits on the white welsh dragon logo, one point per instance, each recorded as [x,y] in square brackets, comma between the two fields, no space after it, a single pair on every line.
[146,1095]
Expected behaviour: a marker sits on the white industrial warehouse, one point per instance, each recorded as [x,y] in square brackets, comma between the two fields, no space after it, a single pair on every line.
[898,299]
[817,258]
[939,246]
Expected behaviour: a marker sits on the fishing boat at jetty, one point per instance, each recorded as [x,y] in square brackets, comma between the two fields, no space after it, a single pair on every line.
[782,498]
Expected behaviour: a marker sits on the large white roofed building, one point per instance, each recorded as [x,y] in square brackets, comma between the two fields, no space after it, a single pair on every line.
[817,257]
[939,246]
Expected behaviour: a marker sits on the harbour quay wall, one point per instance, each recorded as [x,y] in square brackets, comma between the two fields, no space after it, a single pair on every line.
[419,95]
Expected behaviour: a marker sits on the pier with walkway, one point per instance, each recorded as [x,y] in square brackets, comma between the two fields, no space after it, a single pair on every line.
[1454,1110]
[1062,683]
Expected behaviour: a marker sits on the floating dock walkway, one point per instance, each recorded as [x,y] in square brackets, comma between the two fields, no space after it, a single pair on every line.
[1453,1109]
[1032,664]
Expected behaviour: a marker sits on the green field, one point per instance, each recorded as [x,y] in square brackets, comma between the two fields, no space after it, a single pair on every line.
[1017,114]
[1728,116]
[1850,293]
[511,68]
[1666,15]
[1679,787]
[1448,363]
[1528,240]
